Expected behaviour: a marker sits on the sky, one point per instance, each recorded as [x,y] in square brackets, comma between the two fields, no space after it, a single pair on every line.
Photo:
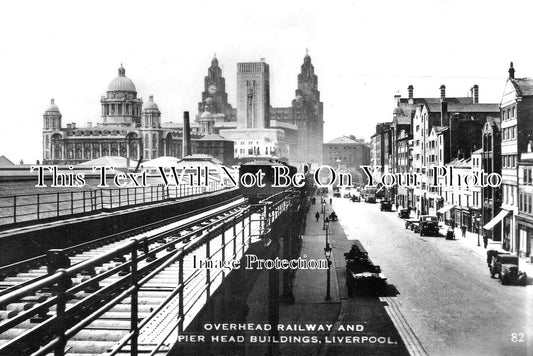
[364,52]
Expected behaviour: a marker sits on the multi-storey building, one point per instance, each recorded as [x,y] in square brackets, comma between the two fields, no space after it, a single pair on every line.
[127,128]
[524,218]
[491,163]
[517,133]
[347,154]
[259,130]
[255,136]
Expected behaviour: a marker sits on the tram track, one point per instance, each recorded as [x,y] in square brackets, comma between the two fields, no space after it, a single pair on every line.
[99,272]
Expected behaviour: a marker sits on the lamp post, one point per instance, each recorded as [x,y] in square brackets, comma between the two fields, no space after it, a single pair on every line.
[478,219]
[327,253]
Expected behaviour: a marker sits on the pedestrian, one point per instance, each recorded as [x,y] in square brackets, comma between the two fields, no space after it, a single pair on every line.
[485,240]
[317,216]
[463,231]
[330,201]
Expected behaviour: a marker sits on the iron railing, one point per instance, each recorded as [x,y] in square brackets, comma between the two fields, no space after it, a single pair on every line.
[24,208]
[67,322]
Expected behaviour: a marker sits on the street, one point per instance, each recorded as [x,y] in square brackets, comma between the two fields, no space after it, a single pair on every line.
[445,292]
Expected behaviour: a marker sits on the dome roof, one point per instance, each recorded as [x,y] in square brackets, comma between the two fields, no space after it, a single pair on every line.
[52,107]
[205,114]
[121,83]
[150,104]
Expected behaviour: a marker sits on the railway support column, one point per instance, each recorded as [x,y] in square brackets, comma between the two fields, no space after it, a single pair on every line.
[273,299]
[134,322]
[62,286]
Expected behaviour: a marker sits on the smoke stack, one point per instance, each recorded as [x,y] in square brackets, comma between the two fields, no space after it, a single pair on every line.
[186,135]
[410,90]
[475,94]
[443,92]
[511,71]
[443,112]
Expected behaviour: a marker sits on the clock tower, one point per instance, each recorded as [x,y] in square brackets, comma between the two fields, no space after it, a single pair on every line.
[214,96]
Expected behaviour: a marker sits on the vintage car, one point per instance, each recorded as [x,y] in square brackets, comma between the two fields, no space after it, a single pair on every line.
[385,205]
[404,213]
[370,198]
[506,267]
[412,224]
[429,225]
[498,259]
[511,275]
[362,276]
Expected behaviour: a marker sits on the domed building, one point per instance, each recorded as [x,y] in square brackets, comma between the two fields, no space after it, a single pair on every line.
[127,128]
[120,106]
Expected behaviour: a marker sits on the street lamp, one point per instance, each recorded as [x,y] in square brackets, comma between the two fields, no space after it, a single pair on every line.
[327,253]
[326,223]
[478,219]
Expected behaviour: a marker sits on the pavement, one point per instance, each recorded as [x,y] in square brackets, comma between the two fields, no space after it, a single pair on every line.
[368,313]
[471,241]
[311,306]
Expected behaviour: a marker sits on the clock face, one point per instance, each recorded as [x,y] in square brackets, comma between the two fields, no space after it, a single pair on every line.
[212,89]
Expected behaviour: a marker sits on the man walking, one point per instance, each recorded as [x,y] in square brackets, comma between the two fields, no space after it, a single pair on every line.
[463,231]
[317,216]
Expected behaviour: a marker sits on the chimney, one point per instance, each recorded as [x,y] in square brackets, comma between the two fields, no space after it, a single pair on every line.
[186,135]
[69,126]
[397,98]
[89,124]
[475,94]
[511,71]
[442,92]
[410,90]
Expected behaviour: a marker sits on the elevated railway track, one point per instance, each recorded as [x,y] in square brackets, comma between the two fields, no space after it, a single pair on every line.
[129,293]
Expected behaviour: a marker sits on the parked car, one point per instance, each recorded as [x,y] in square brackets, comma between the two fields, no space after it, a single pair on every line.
[385,205]
[404,213]
[511,275]
[429,225]
[370,198]
[412,224]
[506,267]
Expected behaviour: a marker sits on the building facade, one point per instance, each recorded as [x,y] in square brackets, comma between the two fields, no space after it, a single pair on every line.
[127,127]
[516,139]
[348,154]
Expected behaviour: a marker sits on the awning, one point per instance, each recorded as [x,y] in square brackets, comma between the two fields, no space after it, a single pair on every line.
[496,219]
[445,209]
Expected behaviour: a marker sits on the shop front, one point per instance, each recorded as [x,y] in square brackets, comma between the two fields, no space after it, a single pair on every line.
[505,218]
[525,236]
